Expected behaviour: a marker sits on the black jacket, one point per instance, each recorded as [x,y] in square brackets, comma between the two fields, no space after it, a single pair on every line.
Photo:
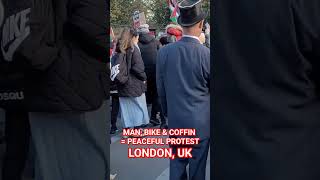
[67,54]
[12,70]
[135,86]
[149,48]
[266,105]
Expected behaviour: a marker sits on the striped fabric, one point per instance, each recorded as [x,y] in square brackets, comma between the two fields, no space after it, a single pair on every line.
[173,6]
[71,146]
[134,111]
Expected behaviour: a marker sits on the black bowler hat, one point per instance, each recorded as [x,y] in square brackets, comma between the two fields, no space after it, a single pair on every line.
[190,12]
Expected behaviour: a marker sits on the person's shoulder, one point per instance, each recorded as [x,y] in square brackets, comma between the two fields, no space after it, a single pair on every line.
[205,53]
[168,47]
[203,48]
[134,49]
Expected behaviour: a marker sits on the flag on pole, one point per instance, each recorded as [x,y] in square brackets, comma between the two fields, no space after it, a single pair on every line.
[173,6]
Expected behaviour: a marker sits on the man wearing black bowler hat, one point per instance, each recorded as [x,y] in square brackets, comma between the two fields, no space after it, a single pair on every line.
[183,71]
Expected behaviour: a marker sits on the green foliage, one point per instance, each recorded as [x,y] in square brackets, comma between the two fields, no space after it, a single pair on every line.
[156,11]
[206,8]
[161,13]
[122,11]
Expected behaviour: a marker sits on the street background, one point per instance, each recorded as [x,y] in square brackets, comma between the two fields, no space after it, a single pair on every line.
[140,169]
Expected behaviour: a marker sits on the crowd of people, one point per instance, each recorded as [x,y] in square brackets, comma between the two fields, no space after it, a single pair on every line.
[54,84]
[172,74]
[131,99]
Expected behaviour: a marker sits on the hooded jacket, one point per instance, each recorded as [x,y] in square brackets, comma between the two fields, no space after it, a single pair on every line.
[149,48]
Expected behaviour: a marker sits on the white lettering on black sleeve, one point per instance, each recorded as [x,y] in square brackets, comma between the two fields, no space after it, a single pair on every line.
[13,33]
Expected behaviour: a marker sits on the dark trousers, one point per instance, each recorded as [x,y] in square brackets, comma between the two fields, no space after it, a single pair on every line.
[197,164]
[115,109]
[153,99]
[156,107]
[71,146]
[17,136]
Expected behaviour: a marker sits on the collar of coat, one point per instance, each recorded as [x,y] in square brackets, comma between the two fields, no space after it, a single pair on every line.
[189,39]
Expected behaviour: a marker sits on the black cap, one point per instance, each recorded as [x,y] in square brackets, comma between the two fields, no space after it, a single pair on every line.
[190,12]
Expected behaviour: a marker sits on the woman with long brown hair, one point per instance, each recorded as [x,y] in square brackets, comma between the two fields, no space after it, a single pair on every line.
[133,107]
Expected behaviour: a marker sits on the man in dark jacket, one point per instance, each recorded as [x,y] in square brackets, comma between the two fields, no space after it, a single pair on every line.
[149,48]
[183,72]
[266,90]
[66,50]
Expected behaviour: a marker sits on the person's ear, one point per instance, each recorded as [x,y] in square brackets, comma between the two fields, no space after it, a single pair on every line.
[201,24]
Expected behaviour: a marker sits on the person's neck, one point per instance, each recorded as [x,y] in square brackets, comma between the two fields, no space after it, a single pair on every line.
[190,34]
